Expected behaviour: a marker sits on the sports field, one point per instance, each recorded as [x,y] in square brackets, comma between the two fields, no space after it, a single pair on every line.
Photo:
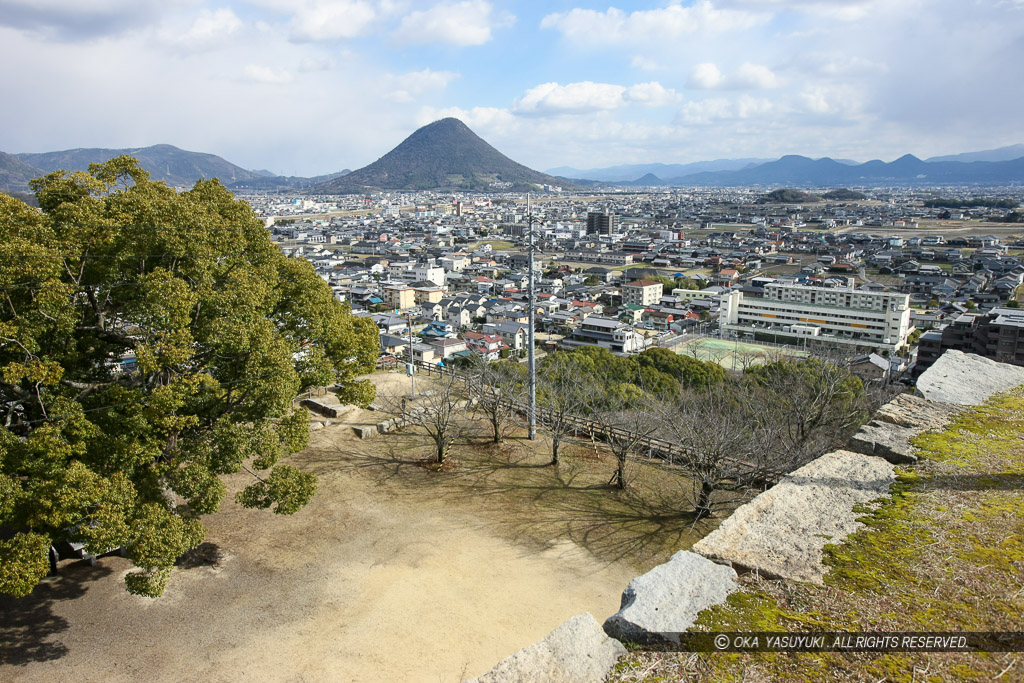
[735,355]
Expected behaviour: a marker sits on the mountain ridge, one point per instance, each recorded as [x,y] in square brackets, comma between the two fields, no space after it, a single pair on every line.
[1007,153]
[165,162]
[444,154]
[634,171]
[796,170]
[15,173]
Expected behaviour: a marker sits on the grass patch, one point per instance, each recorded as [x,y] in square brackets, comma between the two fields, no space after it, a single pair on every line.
[944,553]
[498,245]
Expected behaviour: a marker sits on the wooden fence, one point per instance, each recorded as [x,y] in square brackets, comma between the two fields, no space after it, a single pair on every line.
[647,445]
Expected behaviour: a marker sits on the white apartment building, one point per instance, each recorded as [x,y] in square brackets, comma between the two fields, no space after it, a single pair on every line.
[642,292]
[607,333]
[434,274]
[845,316]
[454,264]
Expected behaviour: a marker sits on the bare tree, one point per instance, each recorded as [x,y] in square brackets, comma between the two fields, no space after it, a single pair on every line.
[564,391]
[723,445]
[816,403]
[626,425]
[440,410]
[498,390]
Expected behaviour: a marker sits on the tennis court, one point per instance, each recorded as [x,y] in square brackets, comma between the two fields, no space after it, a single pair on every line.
[736,355]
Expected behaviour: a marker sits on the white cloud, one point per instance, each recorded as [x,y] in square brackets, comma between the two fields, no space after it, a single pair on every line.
[705,76]
[411,86]
[571,98]
[648,64]
[749,76]
[266,74]
[755,76]
[331,20]
[207,31]
[847,65]
[841,102]
[488,119]
[651,94]
[645,26]
[316,63]
[815,101]
[719,109]
[844,10]
[466,23]
[749,107]
[587,96]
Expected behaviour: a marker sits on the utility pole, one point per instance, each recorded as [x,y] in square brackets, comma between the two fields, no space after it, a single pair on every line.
[532,357]
[412,363]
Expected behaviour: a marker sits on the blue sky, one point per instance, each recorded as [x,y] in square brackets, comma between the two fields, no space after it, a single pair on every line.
[304,87]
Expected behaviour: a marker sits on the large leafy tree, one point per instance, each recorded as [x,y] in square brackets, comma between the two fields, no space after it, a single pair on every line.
[224,331]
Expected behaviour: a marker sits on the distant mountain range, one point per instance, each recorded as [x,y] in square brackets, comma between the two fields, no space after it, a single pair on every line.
[614,174]
[15,173]
[271,183]
[995,166]
[1008,153]
[168,163]
[800,171]
[448,155]
[445,154]
[164,162]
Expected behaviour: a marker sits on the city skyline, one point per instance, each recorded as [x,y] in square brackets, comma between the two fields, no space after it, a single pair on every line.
[313,87]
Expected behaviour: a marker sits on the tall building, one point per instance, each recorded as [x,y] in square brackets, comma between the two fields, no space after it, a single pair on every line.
[841,316]
[600,223]
[998,334]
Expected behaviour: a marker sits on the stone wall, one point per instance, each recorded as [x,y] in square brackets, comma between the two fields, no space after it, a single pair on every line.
[782,532]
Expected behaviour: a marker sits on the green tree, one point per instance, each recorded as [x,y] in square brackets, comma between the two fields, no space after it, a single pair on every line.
[686,370]
[223,330]
[683,282]
[667,282]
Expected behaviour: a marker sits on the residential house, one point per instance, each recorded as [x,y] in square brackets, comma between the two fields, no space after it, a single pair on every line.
[607,333]
[487,346]
[513,334]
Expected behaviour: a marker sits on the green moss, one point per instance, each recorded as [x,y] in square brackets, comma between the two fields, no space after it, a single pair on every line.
[884,553]
[754,611]
[944,552]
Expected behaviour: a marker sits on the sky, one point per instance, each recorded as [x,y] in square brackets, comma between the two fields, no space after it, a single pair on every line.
[306,87]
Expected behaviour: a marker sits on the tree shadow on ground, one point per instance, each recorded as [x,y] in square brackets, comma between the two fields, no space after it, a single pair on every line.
[29,625]
[511,490]
[641,525]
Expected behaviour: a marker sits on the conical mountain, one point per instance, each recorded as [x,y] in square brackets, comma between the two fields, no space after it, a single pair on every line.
[445,154]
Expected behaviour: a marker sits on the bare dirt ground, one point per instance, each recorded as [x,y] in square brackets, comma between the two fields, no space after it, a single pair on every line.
[391,573]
